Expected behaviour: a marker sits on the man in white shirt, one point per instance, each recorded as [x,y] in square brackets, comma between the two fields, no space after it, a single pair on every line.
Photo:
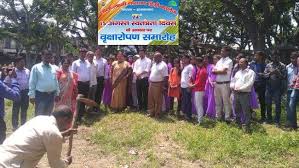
[141,71]
[93,75]
[223,71]
[134,86]
[82,68]
[42,134]
[241,85]
[102,62]
[186,91]
[157,85]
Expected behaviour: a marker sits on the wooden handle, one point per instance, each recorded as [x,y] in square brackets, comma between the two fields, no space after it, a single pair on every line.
[73,125]
[87,102]
[69,150]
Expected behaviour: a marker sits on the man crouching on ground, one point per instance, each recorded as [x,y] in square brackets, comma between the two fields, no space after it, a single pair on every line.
[42,134]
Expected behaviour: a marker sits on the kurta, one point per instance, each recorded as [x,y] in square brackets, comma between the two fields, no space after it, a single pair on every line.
[107,93]
[174,80]
[210,111]
[118,100]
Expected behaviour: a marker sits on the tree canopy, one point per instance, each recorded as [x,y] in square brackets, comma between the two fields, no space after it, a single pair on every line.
[246,24]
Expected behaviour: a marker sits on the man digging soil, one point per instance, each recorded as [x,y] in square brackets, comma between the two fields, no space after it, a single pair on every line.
[43,134]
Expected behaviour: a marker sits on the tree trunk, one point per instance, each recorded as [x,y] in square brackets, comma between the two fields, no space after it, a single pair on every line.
[258,41]
[29,59]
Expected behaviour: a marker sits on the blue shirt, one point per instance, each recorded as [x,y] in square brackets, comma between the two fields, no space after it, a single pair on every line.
[292,72]
[258,68]
[43,79]
[12,93]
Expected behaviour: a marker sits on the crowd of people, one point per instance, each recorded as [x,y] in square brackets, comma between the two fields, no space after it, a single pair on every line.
[214,86]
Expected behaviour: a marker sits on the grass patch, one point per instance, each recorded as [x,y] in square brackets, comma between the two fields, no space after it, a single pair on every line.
[8,114]
[125,131]
[217,144]
[213,144]
[229,146]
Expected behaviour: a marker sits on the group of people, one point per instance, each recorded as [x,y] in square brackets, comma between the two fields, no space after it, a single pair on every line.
[214,86]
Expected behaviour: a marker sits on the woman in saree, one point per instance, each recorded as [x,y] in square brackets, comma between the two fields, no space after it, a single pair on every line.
[68,85]
[119,75]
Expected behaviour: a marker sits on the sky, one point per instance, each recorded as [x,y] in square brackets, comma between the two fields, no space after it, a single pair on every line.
[28,1]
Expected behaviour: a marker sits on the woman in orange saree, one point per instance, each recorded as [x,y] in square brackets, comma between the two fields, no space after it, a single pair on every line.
[68,86]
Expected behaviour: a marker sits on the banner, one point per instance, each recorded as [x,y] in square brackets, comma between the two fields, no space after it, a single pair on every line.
[137,22]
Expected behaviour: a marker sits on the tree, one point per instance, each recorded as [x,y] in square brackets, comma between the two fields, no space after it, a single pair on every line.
[81,15]
[240,22]
[28,25]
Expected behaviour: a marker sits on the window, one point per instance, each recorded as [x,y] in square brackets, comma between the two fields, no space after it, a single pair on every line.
[7,43]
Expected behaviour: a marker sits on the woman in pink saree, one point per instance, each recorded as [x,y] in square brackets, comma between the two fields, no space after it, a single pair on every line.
[68,86]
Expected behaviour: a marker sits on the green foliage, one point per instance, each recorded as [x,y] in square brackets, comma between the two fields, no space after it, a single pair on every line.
[246,23]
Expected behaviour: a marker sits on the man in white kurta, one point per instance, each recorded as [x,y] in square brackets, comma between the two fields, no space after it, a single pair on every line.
[27,145]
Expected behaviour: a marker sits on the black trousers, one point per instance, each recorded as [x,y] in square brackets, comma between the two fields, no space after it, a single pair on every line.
[2,130]
[142,93]
[83,88]
[18,106]
[260,89]
[100,88]
[187,103]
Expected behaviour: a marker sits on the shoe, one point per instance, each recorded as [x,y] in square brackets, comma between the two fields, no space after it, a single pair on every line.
[189,119]
[246,129]
[199,122]
[277,125]
[228,121]
[295,128]
[262,121]
[150,115]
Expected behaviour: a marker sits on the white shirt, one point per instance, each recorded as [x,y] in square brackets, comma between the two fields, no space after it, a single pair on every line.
[27,145]
[243,80]
[134,75]
[82,68]
[102,62]
[55,67]
[93,73]
[142,65]
[158,72]
[224,63]
[186,76]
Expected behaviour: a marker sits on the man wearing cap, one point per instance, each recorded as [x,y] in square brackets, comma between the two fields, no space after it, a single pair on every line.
[43,85]
[82,68]
[141,71]
[101,63]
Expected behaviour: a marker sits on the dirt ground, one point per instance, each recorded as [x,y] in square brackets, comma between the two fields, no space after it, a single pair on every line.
[88,155]
[85,154]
